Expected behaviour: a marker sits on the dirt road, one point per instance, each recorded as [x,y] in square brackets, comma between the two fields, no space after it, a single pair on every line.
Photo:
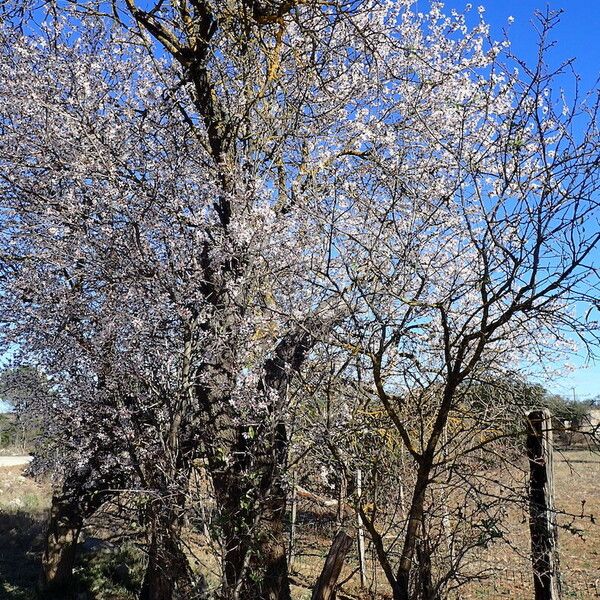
[13,461]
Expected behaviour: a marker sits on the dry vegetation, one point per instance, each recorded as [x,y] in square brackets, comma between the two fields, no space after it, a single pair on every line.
[577,473]
[24,507]
[577,477]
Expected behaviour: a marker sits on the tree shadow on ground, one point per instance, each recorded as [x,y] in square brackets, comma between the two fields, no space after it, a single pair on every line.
[21,546]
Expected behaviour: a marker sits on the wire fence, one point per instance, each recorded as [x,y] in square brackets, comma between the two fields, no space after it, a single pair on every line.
[313,526]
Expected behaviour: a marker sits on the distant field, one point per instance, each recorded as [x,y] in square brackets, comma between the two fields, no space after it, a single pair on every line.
[24,507]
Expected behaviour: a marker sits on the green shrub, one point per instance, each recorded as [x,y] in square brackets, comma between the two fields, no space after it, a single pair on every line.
[111,575]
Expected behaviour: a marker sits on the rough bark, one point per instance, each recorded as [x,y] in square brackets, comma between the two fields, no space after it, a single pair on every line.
[168,575]
[83,492]
[64,527]
[426,589]
[415,517]
[272,559]
[253,530]
[250,487]
[325,589]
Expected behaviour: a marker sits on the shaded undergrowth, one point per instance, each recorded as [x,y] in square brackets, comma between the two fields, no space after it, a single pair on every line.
[21,547]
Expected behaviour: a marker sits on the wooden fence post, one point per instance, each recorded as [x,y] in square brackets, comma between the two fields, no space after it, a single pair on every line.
[542,516]
[342,492]
[361,534]
[325,586]
[292,548]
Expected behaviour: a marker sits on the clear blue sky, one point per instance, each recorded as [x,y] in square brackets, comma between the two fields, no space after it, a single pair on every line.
[577,36]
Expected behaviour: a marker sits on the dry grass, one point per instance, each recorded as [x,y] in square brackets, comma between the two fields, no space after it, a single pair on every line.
[24,507]
[24,504]
[577,481]
[577,494]
[19,493]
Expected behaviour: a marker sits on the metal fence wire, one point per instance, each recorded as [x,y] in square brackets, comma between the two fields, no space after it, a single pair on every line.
[314,521]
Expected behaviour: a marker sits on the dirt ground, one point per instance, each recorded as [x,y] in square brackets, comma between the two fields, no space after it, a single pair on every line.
[24,506]
[577,493]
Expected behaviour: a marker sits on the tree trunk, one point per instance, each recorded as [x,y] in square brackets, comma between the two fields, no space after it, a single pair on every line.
[61,543]
[427,590]
[273,555]
[168,575]
[250,486]
[83,492]
[255,562]
[326,584]
[402,588]
[81,496]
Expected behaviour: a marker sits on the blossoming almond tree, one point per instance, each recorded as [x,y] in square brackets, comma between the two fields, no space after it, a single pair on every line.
[195,193]
[158,283]
[108,217]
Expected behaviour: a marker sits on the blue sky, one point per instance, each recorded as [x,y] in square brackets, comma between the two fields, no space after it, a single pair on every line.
[577,36]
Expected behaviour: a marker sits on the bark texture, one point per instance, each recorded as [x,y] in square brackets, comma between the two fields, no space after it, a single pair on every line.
[61,543]
[168,575]
[325,588]
[83,492]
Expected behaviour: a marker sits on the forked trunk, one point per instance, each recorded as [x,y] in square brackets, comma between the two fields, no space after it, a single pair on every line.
[406,570]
